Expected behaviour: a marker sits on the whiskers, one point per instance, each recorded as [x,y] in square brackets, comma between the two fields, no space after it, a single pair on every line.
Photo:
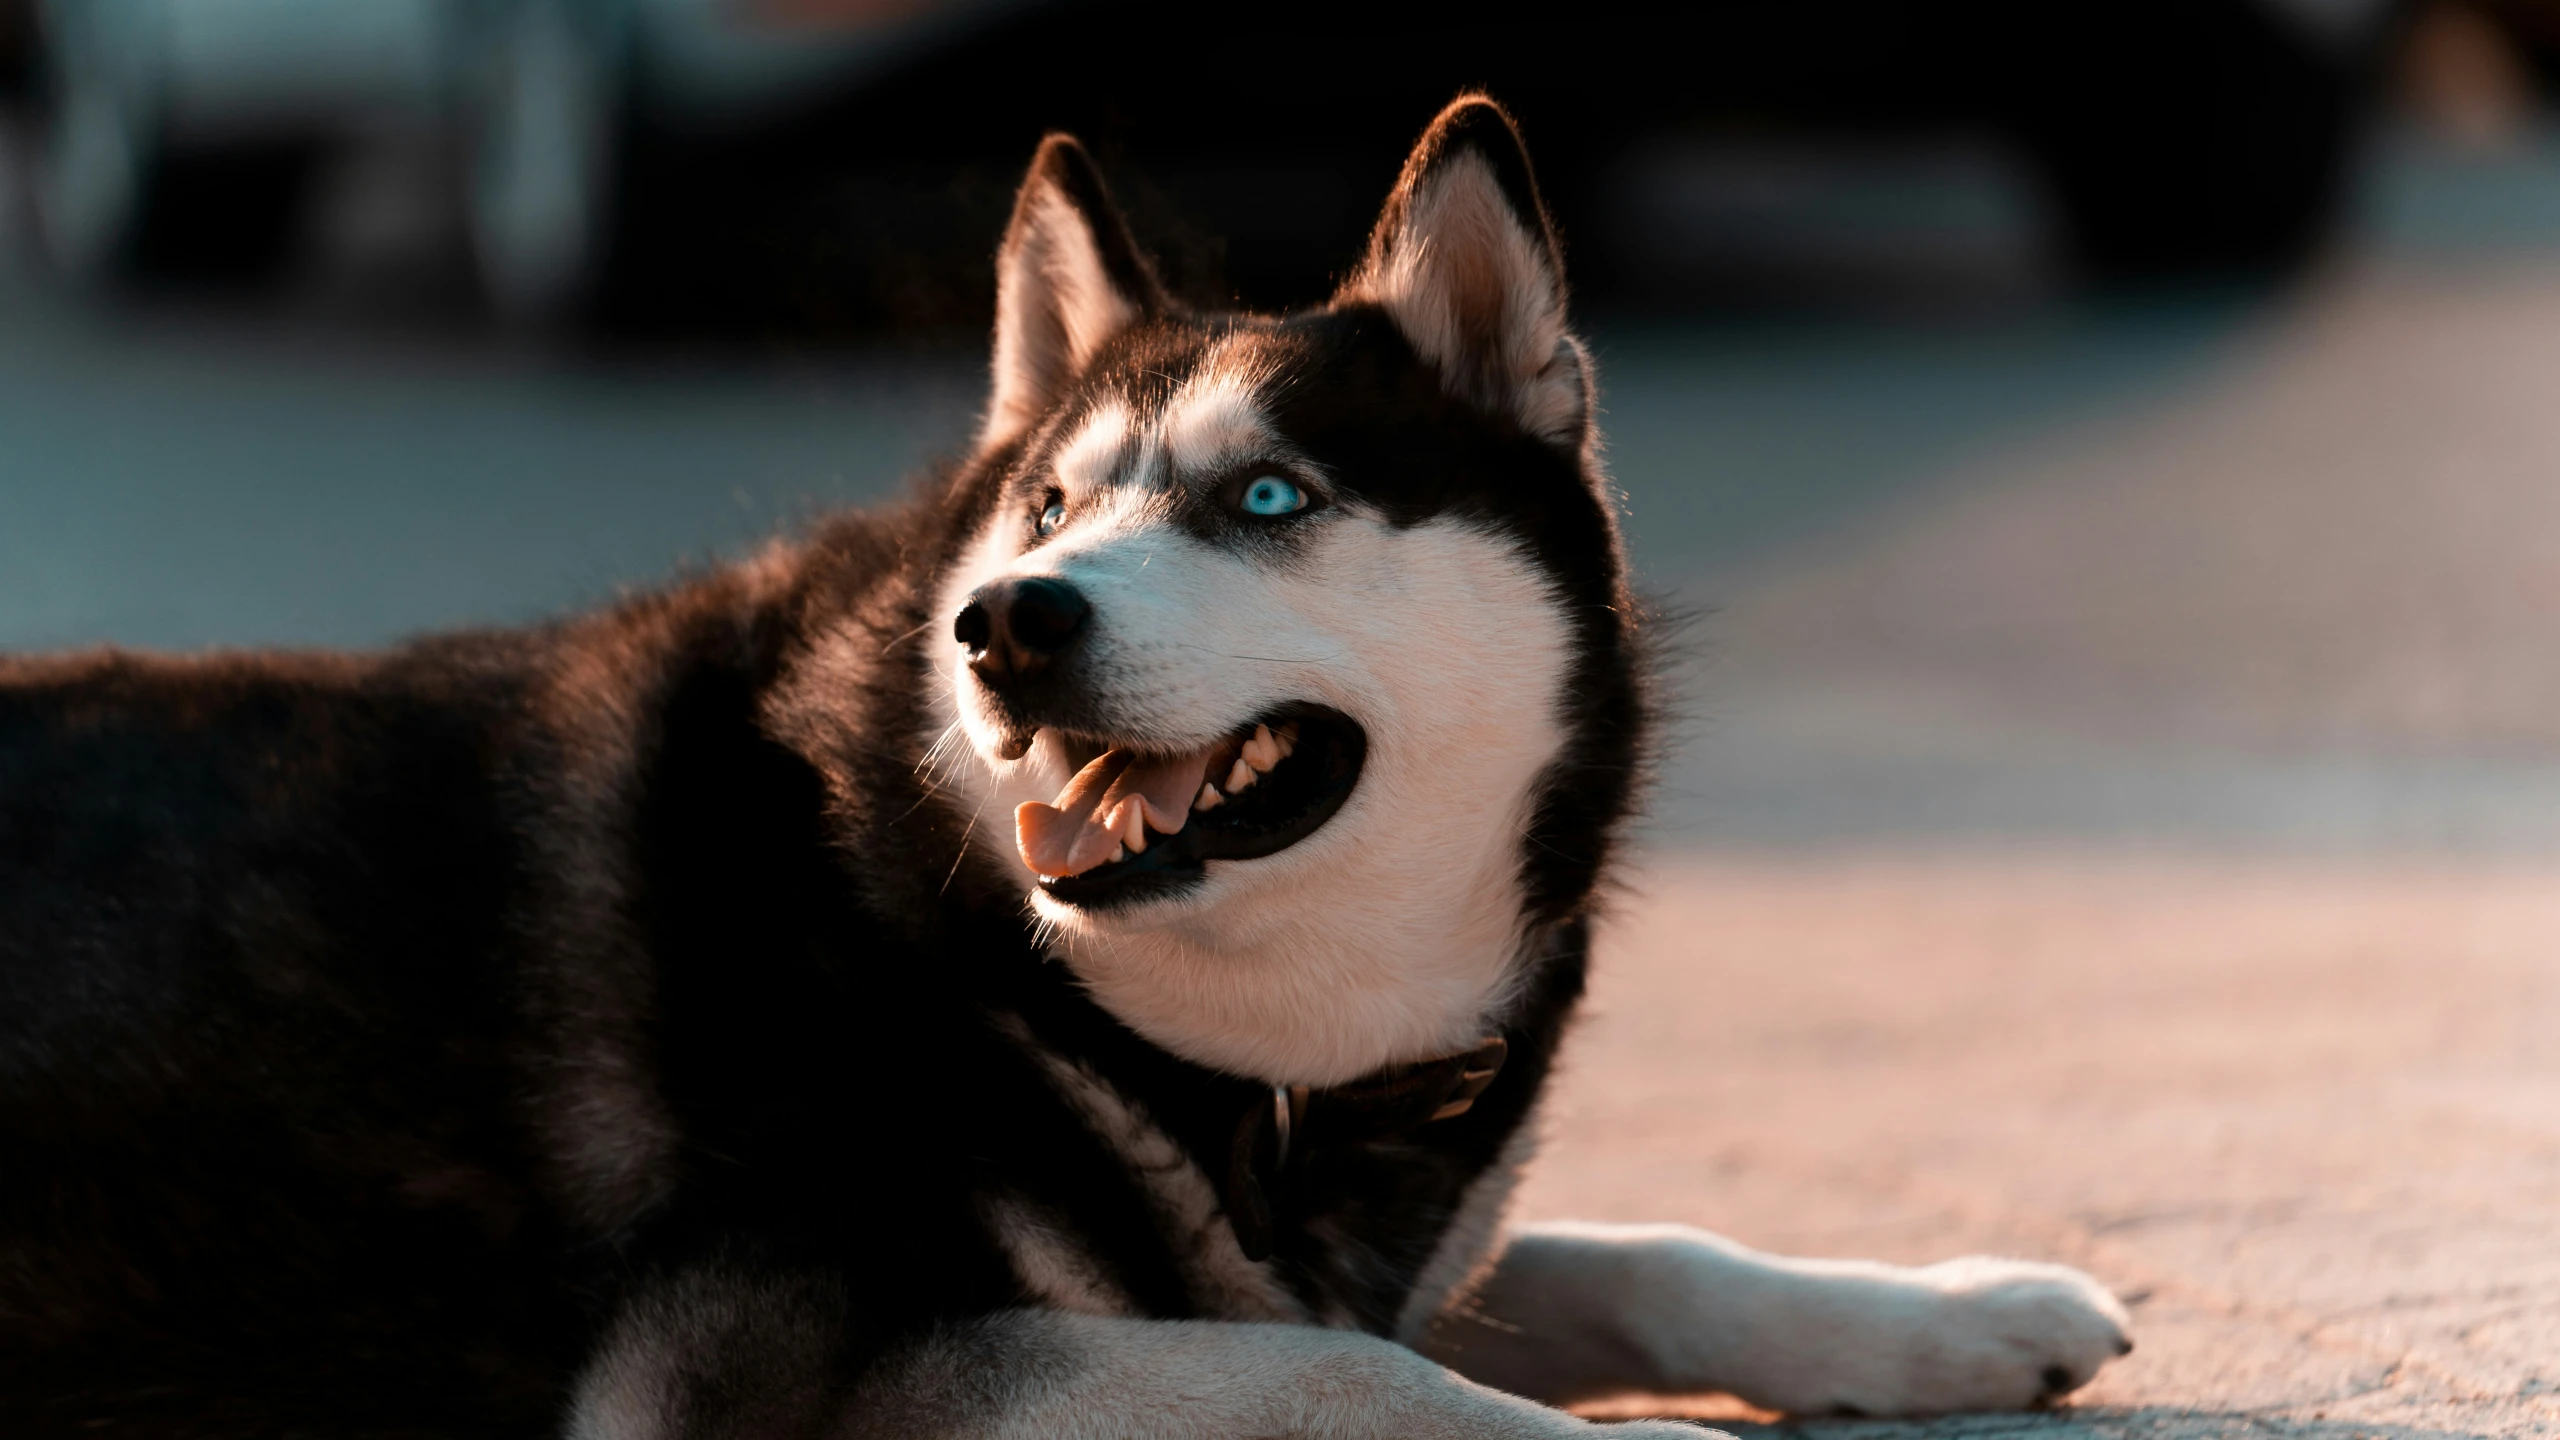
[939,773]
[896,641]
[961,852]
[1048,936]
[950,749]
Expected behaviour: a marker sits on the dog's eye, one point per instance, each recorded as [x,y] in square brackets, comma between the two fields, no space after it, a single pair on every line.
[1271,495]
[1052,515]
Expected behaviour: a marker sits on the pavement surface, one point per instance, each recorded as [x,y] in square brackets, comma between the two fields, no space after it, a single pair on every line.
[2303,1116]
[2298,594]
[2132,845]
[2117,818]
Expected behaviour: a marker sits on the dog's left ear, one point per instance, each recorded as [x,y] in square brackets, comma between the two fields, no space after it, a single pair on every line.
[1466,261]
[1068,278]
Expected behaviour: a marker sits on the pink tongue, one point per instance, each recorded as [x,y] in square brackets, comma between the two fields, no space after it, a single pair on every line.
[1102,808]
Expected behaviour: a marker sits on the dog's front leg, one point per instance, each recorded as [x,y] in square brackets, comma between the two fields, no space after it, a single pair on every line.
[1575,1312]
[1042,1375]
[714,1355]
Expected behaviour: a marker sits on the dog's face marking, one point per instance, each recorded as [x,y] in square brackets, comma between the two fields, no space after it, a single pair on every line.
[1347,527]
[1091,458]
[1216,422]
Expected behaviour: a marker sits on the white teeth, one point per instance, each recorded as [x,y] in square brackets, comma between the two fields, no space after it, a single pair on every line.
[1239,776]
[1260,752]
[1209,799]
[1131,822]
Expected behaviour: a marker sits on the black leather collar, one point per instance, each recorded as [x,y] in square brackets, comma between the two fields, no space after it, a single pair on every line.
[1288,1122]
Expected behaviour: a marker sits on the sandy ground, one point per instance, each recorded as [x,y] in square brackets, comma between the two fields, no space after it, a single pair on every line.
[2305,1118]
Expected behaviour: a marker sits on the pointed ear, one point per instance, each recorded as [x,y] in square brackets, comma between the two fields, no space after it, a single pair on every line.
[1466,262]
[1068,278]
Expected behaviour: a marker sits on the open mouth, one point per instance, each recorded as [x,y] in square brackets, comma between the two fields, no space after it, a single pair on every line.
[1133,825]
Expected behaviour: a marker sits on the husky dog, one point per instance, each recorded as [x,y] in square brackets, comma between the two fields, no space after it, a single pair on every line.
[1076,956]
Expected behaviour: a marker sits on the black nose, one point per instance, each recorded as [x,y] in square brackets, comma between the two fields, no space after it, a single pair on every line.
[1017,628]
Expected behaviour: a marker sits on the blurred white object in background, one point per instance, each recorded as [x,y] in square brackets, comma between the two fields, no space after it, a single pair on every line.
[536,100]
[539,153]
[85,178]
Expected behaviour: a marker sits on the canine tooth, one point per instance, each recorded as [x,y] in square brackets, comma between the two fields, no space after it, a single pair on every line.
[1259,752]
[1286,738]
[1239,775]
[1158,821]
[1209,799]
[1131,821]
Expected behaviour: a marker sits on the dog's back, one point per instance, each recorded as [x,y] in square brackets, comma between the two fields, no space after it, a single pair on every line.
[254,1022]
[353,1008]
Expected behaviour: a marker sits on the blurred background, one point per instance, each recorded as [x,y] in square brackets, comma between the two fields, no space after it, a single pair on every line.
[2104,458]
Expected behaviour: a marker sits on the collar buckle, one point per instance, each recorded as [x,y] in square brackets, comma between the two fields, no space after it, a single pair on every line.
[1395,1100]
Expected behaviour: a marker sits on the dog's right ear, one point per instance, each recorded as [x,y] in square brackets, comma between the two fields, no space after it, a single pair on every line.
[1068,278]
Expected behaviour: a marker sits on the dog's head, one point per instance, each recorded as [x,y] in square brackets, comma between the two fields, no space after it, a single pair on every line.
[1293,652]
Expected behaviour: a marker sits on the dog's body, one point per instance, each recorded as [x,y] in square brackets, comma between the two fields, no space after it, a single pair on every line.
[636,1027]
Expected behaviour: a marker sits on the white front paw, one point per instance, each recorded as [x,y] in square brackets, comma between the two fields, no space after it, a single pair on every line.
[1979,1334]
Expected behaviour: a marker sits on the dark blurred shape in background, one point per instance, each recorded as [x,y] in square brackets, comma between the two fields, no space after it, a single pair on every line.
[185,138]
[818,167]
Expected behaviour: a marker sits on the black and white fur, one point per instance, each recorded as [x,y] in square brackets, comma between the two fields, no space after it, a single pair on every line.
[643,1026]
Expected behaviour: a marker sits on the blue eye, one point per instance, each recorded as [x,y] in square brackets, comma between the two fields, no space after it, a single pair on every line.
[1272,495]
[1053,516]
